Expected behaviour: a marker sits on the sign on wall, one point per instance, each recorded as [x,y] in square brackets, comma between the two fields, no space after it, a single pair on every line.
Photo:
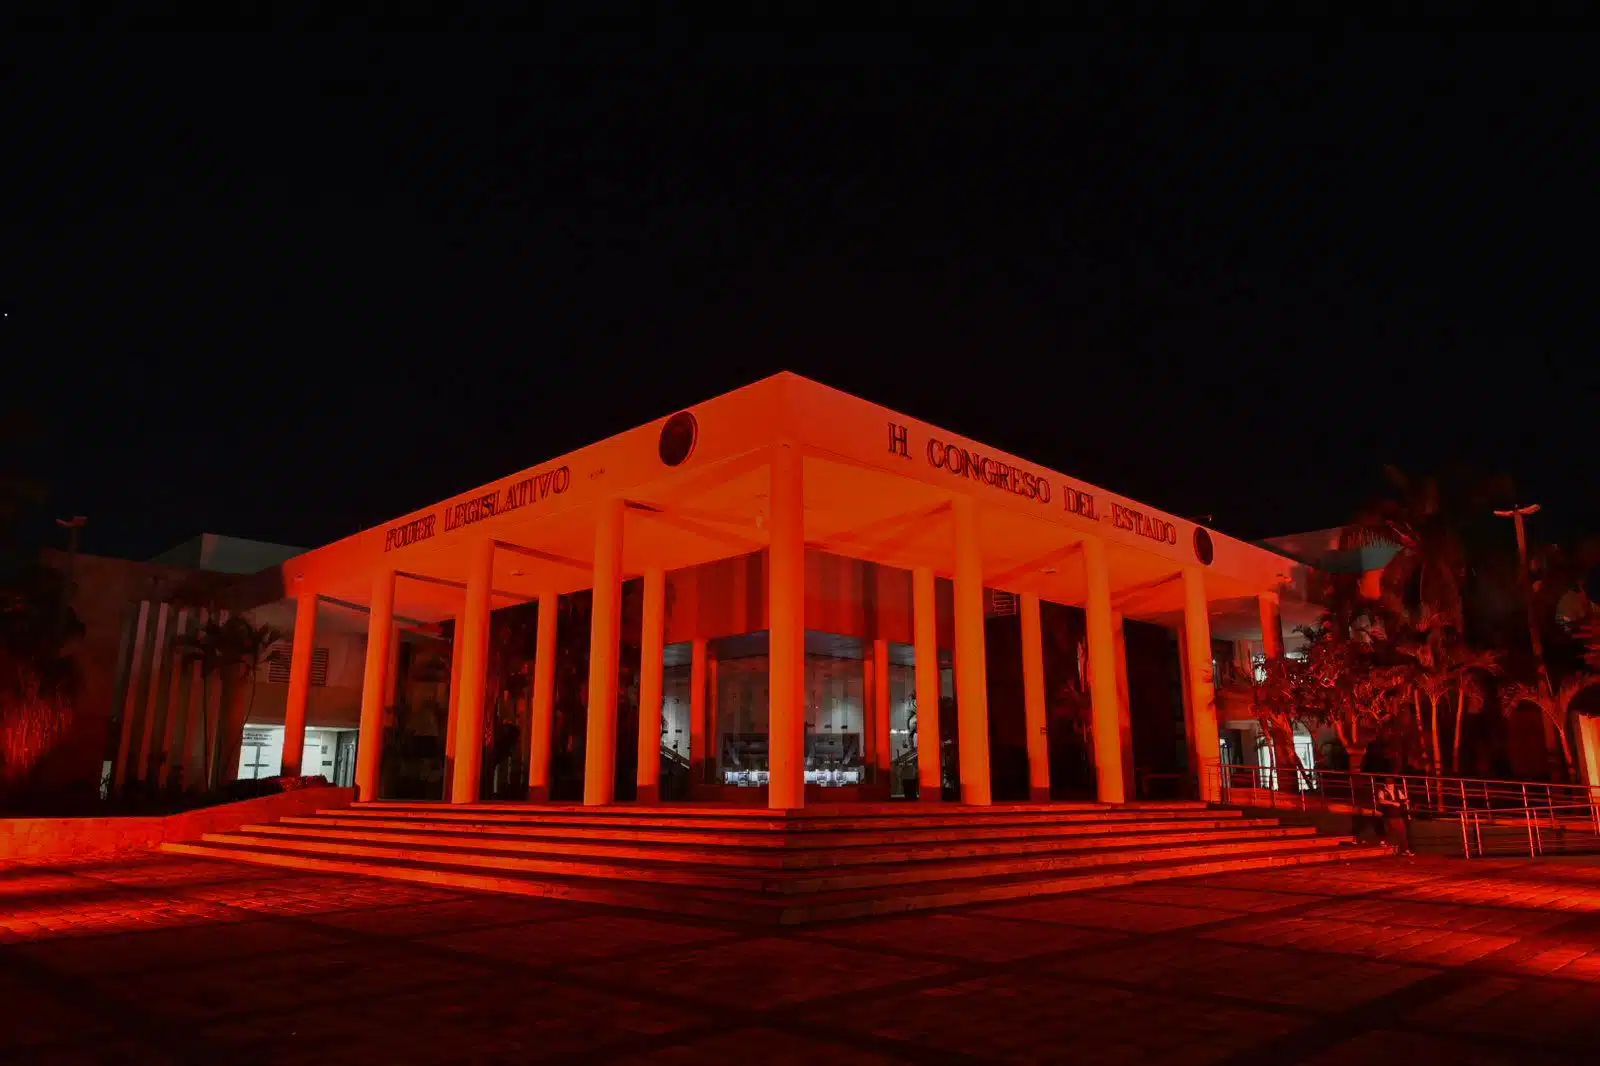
[972,465]
[511,497]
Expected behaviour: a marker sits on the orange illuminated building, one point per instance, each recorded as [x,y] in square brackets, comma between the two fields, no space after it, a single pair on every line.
[812,570]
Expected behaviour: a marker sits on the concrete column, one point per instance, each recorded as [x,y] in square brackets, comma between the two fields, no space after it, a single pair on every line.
[699,718]
[543,723]
[1271,648]
[972,675]
[391,676]
[652,658]
[925,634]
[301,650]
[1198,682]
[124,769]
[1105,716]
[1124,709]
[1183,672]
[880,710]
[786,627]
[713,727]
[1589,752]
[1271,625]
[1033,705]
[468,769]
[453,709]
[160,658]
[173,735]
[869,721]
[186,731]
[369,740]
[600,749]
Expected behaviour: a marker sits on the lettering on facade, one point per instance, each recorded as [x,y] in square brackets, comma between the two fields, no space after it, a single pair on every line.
[1142,524]
[408,534]
[1079,503]
[897,439]
[969,464]
[514,495]
[973,465]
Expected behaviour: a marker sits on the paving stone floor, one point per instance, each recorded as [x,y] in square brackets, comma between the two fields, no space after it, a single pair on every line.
[164,959]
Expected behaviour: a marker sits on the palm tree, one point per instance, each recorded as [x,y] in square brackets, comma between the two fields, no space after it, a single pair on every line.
[1429,646]
[229,651]
[1426,574]
[1588,633]
[1560,619]
[203,648]
[244,650]
[1556,707]
[1467,668]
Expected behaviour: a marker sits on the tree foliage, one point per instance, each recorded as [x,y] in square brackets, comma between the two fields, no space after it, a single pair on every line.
[1456,628]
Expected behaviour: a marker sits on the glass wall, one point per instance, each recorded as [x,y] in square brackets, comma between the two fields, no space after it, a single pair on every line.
[838,724]
[741,713]
[835,710]
[677,705]
[416,721]
[902,728]
[328,751]
[835,720]
[676,710]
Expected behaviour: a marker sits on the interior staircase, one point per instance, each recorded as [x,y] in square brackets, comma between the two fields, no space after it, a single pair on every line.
[770,867]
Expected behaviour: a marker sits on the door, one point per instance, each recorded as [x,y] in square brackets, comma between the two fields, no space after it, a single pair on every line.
[344,759]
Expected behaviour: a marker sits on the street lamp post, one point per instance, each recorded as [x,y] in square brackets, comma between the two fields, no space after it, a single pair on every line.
[72,526]
[1517,515]
[1525,579]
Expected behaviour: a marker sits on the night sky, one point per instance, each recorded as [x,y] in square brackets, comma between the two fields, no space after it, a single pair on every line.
[290,288]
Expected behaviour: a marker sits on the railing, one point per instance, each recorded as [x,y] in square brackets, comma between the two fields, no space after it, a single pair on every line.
[1563,829]
[1431,795]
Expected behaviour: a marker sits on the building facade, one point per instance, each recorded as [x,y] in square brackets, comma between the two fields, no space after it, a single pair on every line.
[772,590]
[785,595]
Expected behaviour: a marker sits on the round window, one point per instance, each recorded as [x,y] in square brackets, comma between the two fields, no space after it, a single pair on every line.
[1204,550]
[678,437]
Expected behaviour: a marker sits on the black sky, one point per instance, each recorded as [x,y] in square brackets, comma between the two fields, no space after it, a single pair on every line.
[287,288]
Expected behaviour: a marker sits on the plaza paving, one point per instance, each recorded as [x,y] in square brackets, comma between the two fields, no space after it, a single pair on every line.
[171,959]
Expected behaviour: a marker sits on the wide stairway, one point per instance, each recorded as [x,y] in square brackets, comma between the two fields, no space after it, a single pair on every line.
[750,864]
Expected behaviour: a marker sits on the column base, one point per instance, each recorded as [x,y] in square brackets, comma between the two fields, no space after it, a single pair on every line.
[649,795]
[1038,795]
[538,793]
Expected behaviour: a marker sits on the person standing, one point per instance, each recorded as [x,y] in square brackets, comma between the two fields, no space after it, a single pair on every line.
[1394,805]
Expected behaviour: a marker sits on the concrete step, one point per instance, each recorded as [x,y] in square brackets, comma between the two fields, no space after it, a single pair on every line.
[774,867]
[893,900]
[751,840]
[749,908]
[643,865]
[922,873]
[719,853]
[703,876]
[814,812]
[608,893]
[655,819]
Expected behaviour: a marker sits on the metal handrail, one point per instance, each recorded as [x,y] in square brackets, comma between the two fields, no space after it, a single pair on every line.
[1435,795]
[1538,823]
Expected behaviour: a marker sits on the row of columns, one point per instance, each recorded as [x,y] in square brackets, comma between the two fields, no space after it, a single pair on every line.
[786,666]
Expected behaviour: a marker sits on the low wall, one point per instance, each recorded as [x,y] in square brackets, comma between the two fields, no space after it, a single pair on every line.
[1429,836]
[38,839]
